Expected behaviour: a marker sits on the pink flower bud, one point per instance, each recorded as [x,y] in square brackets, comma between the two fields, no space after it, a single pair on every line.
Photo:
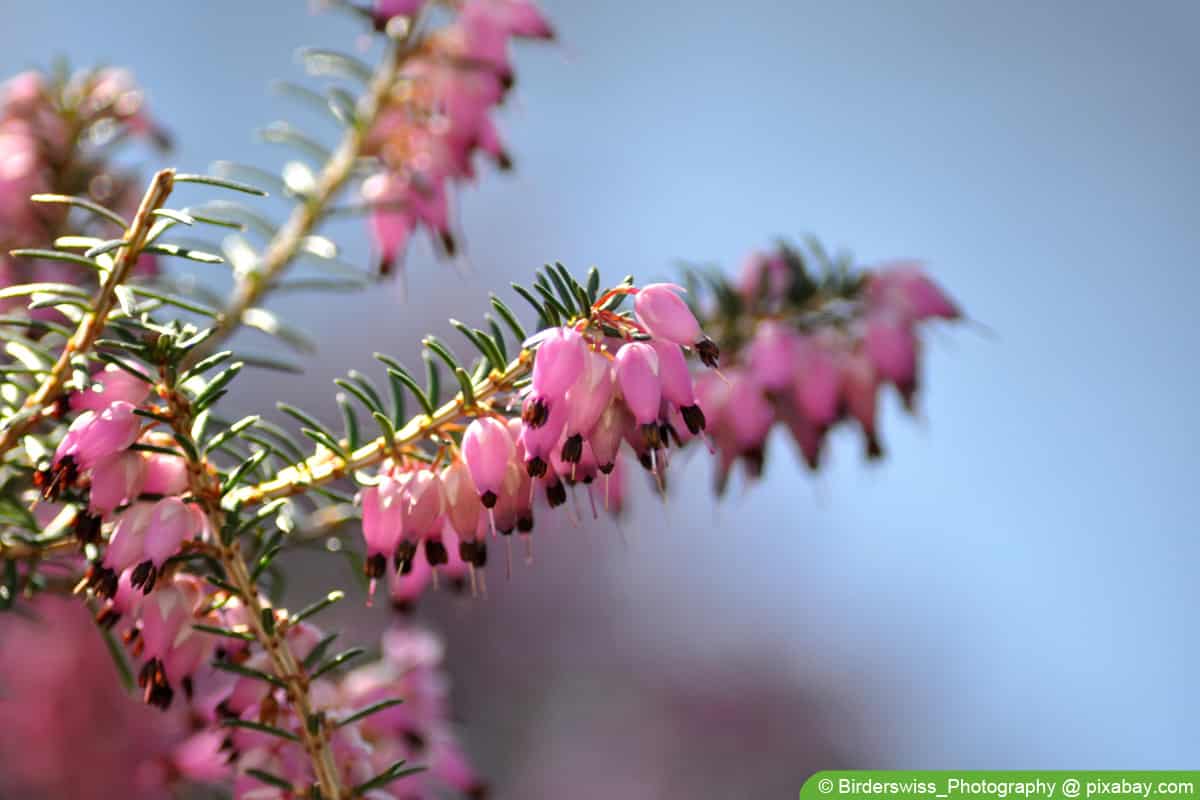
[538,443]
[116,479]
[110,385]
[462,500]
[383,521]
[673,371]
[558,362]
[590,395]
[607,434]
[487,449]
[171,522]
[426,503]
[165,474]
[637,373]
[126,546]
[103,433]
[773,355]
[664,315]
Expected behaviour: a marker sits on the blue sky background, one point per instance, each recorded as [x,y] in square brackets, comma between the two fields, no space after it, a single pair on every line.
[1015,586]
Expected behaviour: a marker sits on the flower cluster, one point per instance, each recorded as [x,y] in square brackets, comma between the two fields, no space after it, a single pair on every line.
[129,480]
[813,352]
[224,727]
[439,116]
[56,135]
[599,384]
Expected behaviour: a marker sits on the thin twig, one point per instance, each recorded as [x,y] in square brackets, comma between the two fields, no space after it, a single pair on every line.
[90,327]
[205,486]
[325,468]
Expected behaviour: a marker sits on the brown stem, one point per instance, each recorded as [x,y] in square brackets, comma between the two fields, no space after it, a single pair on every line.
[205,486]
[93,322]
[322,469]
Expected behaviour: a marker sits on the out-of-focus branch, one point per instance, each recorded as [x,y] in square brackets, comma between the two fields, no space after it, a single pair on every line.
[287,243]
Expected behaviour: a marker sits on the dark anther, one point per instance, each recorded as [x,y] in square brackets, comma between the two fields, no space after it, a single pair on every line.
[153,678]
[61,475]
[525,523]
[403,558]
[414,740]
[375,566]
[556,494]
[754,459]
[874,447]
[107,617]
[61,406]
[646,461]
[693,417]
[479,791]
[87,528]
[710,354]
[536,467]
[650,435]
[473,553]
[448,243]
[143,577]
[488,499]
[435,552]
[102,580]
[536,412]
[667,433]
[606,469]
[572,450]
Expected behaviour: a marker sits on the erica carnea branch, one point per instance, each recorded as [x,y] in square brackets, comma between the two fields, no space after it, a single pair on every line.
[114,272]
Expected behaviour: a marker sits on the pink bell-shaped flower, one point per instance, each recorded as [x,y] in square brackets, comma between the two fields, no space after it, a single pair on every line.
[165,474]
[487,449]
[677,386]
[95,435]
[171,522]
[110,385]
[558,362]
[637,373]
[382,515]
[462,500]
[607,434]
[538,443]
[426,503]
[116,479]
[664,315]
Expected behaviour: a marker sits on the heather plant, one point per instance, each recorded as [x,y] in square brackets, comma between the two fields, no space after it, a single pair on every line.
[130,496]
